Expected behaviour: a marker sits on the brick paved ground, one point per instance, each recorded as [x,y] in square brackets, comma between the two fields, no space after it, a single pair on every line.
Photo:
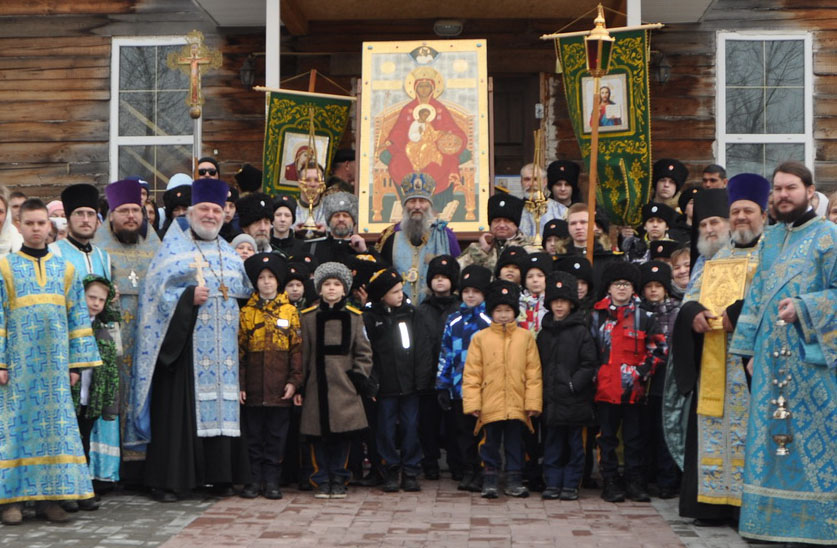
[439,516]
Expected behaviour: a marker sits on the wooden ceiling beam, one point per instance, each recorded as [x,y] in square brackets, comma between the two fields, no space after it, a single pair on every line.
[292,16]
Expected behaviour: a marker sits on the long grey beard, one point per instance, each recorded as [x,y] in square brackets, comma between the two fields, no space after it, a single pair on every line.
[708,249]
[415,229]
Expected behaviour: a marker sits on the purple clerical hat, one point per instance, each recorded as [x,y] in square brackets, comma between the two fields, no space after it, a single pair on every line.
[123,192]
[210,190]
[749,186]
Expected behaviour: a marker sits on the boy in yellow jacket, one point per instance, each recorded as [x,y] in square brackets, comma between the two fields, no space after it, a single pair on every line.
[502,387]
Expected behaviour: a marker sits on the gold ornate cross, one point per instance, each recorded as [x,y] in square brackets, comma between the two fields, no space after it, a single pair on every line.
[195,60]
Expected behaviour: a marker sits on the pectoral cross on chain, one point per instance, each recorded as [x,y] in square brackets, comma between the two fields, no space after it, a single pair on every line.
[134,279]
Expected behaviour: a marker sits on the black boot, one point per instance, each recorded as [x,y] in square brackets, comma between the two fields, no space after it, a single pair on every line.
[515,487]
[489,485]
[431,470]
[390,480]
[410,483]
[636,491]
[467,478]
[612,491]
[475,485]
[372,479]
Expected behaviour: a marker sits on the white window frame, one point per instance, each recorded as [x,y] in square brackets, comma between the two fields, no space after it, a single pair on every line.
[722,138]
[154,140]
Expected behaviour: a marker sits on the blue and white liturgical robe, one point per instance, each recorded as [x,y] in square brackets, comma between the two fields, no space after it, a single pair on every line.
[792,498]
[44,331]
[215,344]
[104,437]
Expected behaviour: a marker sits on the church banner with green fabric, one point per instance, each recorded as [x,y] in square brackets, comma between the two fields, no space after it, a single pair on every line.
[624,171]
[288,146]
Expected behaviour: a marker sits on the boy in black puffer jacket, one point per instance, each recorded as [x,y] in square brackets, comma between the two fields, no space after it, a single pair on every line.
[569,360]
[390,321]
[431,314]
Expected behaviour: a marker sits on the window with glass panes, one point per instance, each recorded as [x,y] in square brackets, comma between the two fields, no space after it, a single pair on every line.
[152,134]
[764,94]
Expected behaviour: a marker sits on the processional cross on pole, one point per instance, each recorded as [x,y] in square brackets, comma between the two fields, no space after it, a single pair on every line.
[195,59]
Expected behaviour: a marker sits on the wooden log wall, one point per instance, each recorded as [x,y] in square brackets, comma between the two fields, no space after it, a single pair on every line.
[55,88]
[55,79]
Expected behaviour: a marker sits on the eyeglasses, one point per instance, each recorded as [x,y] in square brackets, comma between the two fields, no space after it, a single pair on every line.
[207,171]
[621,284]
[126,211]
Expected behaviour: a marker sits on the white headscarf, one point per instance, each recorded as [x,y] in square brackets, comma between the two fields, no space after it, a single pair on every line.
[10,238]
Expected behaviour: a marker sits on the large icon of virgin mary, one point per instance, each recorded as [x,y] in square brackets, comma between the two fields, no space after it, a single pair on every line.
[425,137]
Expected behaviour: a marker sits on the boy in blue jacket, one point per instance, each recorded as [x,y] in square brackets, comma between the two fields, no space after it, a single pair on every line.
[459,328]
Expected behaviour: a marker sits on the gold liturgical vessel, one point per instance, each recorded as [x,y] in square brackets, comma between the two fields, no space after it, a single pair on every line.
[312,194]
[536,202]
[782,414]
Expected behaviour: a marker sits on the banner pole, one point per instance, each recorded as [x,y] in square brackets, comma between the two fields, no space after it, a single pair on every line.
[594,169]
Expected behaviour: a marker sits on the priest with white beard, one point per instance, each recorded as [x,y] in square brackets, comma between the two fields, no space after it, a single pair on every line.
[184,401]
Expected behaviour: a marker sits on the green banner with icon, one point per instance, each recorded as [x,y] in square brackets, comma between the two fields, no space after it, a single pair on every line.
[624,171]
[288,145]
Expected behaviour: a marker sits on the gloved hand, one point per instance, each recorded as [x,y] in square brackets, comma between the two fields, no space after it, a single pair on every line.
[443,397]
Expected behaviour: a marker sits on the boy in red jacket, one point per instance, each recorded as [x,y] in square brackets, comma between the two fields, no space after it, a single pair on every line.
[631,347]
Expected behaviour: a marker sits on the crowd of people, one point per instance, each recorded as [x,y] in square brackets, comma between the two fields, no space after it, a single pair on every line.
[240,342]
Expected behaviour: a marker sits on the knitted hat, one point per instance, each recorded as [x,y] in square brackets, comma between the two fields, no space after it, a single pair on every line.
[556,227]
[660,211]
[502,292]
[710,202]
[243,238]
[80,195]
[577,266]
[475,276]
[620,270]
[381,282]
[447,266]
[211,160]
[561,285]
[655,271]
[254,207]
[285,200]
[512,255]
[662,249]
[340,201]
[505,206]
[749,186]
[538,261]
[249,179]
[363,266]
[417,185]
[334,270]
[687,194]
[271,261]
[178,179]
[179,196]
[213,191]
[298,271]
[668,167]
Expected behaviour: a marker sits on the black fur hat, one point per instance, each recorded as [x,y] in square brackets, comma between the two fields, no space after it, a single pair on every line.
[271,261]
[512,255]
[660,211]
[249,178]
[656,271]
[505,206]
[561,285]
[578,266]
[541,260]
[668,167]
[663,248]
[254,207]
[620,270]
[381,282]
[502,292]
[475,276]
[556,227]
[447,266]
[285,200]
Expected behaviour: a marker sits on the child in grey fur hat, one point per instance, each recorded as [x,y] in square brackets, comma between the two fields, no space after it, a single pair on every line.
[336,364]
